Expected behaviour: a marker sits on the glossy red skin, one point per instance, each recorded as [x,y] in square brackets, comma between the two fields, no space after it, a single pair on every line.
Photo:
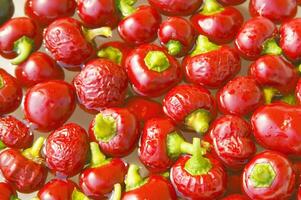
[231,2]
[100,84]
[99,182]
[220,27]
[231,136]
[183,100]
[276,10]
[176,7]
[45,12]
[212,69]
[67,149]
[98,13]
[276,72]
[46,108]
[14,133]
[13,30]
[144,108]
[23,174]
[281,128]
[6,191]
[298,91]
[283,184]
[124,142]
[57,189]
[153,152]
[157,187]
[199,187]
[251,37]
[290,39]
[240,96]
[147,82]
[39,67]
[140,27]
[178,29]
[236,197]
[10,93]
[75,50]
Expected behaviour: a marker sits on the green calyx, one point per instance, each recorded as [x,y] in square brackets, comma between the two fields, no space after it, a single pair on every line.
[270,47]
[156,61]
[198,121]
[98,158]
[269,94]
[174,47]
[23,47]
[126,7]
[262,175]
[2,145]
[203,45]
[197,164]
[14,198]
[2,84]
[33,153]
[105,127]
[117,192]
[77,195]
[211,7]
[133,179]
[289,99]
[91,34]
[111,53]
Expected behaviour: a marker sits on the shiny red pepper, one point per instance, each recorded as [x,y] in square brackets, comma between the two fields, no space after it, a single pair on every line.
[219,24]
[46,108]
[10,93]
[66,150]
[298,92]
[25,170]
[102,175]
[39,67]
[231,2]
[152,71]
[210,65]
[45,12]
[7,192]
[116,130]
[269,175]
[177,35]
[235,197]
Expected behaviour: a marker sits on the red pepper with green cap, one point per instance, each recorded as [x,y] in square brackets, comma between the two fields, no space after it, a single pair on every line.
[210,65]
[116,130]
[197,177]
[7,192]
[19,37]
[103,175]
[152,71]
[154,187]
[231,2]
[190,106]
[269,175]
[24,170]
[220,24]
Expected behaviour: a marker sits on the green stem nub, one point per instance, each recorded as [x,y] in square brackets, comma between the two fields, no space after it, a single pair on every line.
[126,7]
[33,153]
[2,145]
[269,94]
[262,175]
[156,61]
[105,127]
[198,121]
[289,99]
[98,158]
[197,164]
[211,7]
[270,47]
[2,84]
[14,198]
[174,47]
[117,192]
[91,34]
[23,47]
[133,179]
[203,45]
[77,195]
[111,53]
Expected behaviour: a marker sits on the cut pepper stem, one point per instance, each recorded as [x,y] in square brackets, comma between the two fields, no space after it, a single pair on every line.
[133,179]
[117,192]
[156,61]
[174,47]
[203,45]
[211,7]
[269,94]
[126,7]
[34,151]
[111,53]
[2,145]
[262,175]
[23,47]
[104,128]
[77,195]
[198,121]
[270,47]
[2,84]
[91,34]
[98,158]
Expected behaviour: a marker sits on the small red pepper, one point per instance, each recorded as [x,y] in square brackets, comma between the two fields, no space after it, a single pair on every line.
[210,65]
[45,12]
[298,91]
[39,67]
[191,106]
[231,2]
[116,130]
[154,187]
[177,35]
[152,71]
[103,175]
[66,150]
[7,192]
[269,175]
[10,93]
[219,24]
[25,170]
[235,197]
[198,177]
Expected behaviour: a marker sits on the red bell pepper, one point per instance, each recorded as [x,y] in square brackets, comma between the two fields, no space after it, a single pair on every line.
[236,197]
[7,192]
[298,91]
[231,2]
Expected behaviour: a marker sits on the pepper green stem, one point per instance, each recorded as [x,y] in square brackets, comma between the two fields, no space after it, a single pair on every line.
[33,152]
[299,68]
[174,47]
[77,195]
[16,198]
[91,34]
[126,7]
[105,127]
[269,94]
[289,99]
[111,53]
[262,175]
[23,47]
[211,7]
[2,145]
[133,179]
[270,47]
[2,84]
[117,192]
[156,61]
[198,121]
[203,45]
[197,164]
[98,158]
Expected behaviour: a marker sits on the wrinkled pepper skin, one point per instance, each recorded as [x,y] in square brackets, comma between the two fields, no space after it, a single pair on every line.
[231,2]
[280,130]
[280,177]
[236,197]
[66,150]
[7,10]
[298,92]
[7,192]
